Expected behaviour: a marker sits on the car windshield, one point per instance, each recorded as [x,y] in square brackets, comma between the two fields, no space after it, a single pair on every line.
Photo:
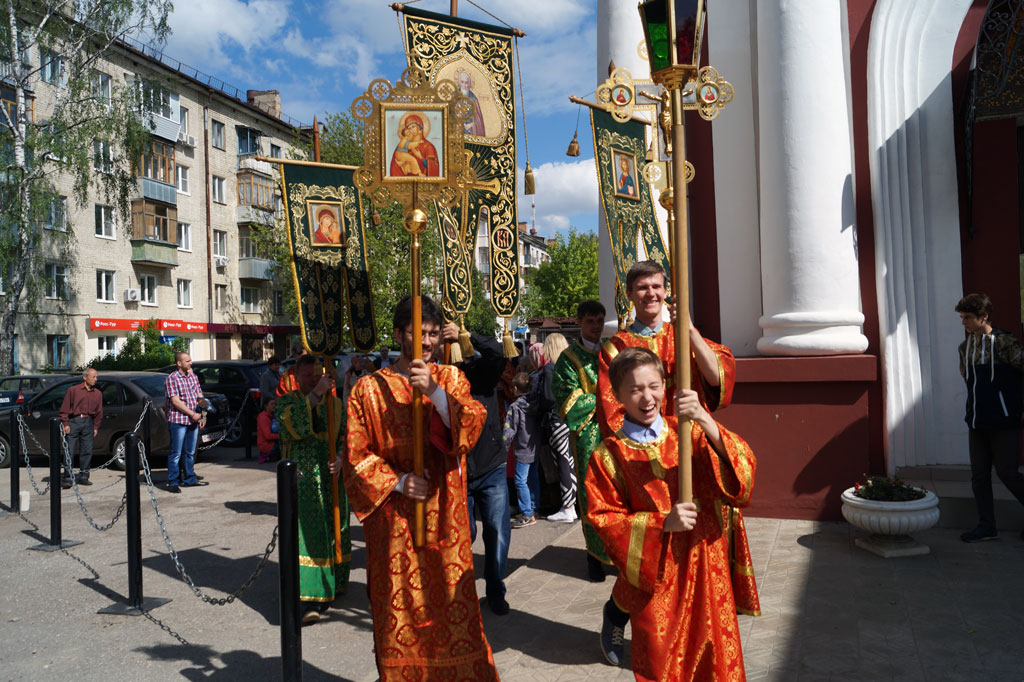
[153,386]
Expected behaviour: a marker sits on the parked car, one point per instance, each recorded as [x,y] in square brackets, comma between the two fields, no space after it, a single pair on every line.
[233,378]
[124,394]
[30,384]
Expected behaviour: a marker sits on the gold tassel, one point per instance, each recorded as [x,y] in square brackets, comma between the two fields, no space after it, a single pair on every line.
[454,354]
[530,186]
[574,146]
[464,340]
[508,345]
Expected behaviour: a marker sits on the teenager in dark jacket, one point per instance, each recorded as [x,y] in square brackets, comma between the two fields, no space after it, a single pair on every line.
[991,363]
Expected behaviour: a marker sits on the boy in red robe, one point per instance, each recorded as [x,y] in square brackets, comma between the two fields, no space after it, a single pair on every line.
[673,558]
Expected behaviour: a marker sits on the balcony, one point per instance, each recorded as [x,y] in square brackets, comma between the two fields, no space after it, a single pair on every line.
[245,215]
[149,251]
[256,268]
[250,163]
[158,191]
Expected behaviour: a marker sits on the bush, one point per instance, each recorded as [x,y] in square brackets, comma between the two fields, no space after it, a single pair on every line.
[141,350]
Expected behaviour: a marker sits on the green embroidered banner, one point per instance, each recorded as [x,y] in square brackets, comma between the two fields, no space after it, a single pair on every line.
[620,151]
[478,58]
[328,246]
[457,285]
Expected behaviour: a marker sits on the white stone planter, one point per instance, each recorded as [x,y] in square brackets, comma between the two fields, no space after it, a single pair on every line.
[890,523]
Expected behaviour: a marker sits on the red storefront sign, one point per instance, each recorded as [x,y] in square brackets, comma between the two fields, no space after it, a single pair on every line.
[103,323]
[180,326]
[108,323]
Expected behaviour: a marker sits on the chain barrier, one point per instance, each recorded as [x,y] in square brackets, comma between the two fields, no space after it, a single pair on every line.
[216,601]
[28,464]
[78,495]
[241,411]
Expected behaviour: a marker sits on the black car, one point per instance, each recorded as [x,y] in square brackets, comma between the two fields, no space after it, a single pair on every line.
[234,379]
[124,394]
[30,384]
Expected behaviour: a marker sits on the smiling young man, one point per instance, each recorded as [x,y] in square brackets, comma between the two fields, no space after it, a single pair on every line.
[677,583]
[713,365]
[426,615]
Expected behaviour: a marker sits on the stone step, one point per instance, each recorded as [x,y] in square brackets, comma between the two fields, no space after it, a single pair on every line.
[952,483]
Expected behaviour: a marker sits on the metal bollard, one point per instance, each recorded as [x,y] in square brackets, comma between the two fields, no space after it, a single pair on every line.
[137,604]
[56,453]
[146,434]
[248,426]
[288,566]
[14,445]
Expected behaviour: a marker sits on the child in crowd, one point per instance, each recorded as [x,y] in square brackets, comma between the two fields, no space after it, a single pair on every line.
[684,568]
[520,430]
[266,433]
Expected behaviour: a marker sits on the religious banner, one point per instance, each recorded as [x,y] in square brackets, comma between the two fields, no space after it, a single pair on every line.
[456,286]
[328,247]
[478,58]
[620,150]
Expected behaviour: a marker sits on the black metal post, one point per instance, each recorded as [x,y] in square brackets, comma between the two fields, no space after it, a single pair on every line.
[288,568]
[137,604]
[14,443]
[56,454]
[146,434]
[249,427]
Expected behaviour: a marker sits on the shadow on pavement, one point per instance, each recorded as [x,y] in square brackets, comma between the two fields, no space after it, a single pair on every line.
[207,664]
[568,561]
[542,639]
[254,507]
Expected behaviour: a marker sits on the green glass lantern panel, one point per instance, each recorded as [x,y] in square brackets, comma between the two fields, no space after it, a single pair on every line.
[654,14]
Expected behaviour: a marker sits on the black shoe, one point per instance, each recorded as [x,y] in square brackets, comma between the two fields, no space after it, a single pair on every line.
[980,534]
[173,489]
[498,606]
[595,570]
[65,483]
[612,641]
[199,478]
[84,480]
[193,485]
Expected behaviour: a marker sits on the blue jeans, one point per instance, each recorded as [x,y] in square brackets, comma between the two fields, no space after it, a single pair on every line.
[489,495]
[183,449]
[527,486]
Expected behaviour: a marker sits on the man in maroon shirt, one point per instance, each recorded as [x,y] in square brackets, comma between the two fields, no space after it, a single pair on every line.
[81,412]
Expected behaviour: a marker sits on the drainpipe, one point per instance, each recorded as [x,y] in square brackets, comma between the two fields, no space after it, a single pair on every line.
[209,228]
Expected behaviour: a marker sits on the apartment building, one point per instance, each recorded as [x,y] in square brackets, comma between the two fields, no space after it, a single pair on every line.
[187,259]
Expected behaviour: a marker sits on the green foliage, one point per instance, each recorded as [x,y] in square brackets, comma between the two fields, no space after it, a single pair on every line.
[556,287]
[481,318]
[886,489]
[141,350]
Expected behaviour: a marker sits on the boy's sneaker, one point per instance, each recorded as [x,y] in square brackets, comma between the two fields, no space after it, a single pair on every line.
[979,534]
[567,515]
[612,641]
[522,521]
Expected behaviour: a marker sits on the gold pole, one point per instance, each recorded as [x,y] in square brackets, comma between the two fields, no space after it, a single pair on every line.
[681,289]
[419,532]
[454,8]
[332,437]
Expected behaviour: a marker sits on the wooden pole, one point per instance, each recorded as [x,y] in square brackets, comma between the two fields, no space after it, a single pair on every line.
[681,290]
[419,536]
[316,141]
[454,8]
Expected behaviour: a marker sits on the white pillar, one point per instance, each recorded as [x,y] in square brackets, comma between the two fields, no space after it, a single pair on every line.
[809,277]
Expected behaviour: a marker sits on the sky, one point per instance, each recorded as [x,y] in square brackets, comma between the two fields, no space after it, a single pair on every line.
[322,55]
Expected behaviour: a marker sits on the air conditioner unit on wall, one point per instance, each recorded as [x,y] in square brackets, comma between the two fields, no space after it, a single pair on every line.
[187,140]
[220,261]
[133,295]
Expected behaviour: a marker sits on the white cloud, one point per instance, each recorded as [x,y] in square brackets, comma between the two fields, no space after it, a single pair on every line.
[564,190]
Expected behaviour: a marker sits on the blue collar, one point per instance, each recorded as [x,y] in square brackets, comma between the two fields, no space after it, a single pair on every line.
[643,434]
[644,330]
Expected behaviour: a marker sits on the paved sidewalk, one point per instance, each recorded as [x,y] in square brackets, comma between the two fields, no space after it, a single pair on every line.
[831,610]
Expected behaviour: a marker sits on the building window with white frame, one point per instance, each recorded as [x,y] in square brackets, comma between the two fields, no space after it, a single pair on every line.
[217,189]
[101,87]
[250,300]
[106,222]
[220,296]
[184,237]
[217,134]
[101,159]
[57,214]
[51,67]
[147,286]
[106,345]
[183,120]
[184,293]
[279,302]
[106,286]
[56,277]
[183,179]
[220,243]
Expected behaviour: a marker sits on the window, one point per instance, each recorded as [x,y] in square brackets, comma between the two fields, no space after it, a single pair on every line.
[217,188]
[184,293]
[147,285]
[183,179]
[157,222]
[101,160]
[51,67]
[255,190]
[279,303]
[57,214]
[105,286]
[101,87]
[57,352]
[56,281]
[220,296]
[158,163]
[106,222]
[247,246]
[250,300]
[217,134]
[275,151]
[184,237]
[220,243]
[158,100]
[107,345]
[183,119]
[248,141]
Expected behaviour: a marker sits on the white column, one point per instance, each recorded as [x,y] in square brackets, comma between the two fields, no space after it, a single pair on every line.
[810,289]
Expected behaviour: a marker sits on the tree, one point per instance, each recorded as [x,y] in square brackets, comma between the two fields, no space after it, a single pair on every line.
[569,277]
[141,350]
[59,121]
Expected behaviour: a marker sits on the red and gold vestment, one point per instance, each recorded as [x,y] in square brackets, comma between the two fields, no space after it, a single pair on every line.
[682,590]
[426,615]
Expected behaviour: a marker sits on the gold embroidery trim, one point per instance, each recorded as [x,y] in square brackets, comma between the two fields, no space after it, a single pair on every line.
[652,448]
[321,562]
[611,349]
[636,547]
[608,462]
[585,382]
[570,401]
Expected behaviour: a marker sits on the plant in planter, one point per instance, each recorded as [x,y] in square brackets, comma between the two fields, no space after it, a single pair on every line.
[890,510]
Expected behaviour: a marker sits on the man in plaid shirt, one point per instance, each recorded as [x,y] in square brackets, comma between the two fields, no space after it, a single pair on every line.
[183,422]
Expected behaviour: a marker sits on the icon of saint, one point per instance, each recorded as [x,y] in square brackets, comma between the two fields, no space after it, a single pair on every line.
[626,184]
[414,155]
[475,125]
